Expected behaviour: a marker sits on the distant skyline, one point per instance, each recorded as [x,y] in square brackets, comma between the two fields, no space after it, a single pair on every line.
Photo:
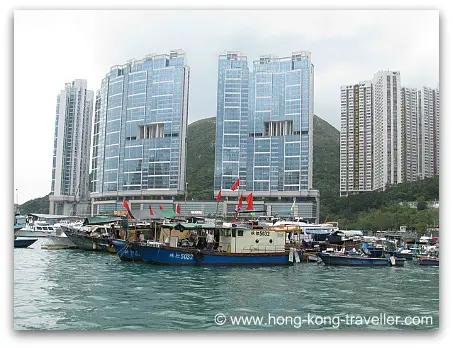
[52,48]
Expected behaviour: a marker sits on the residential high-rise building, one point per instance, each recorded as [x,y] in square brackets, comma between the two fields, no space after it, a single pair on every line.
[71,155]
[280,143]
[398,127]
[140,126]
[409,136]
[356,138]
[232,120]
[387,129]
[428,123]
[265,132]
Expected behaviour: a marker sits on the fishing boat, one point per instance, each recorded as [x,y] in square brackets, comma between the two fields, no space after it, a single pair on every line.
[23,243]
[94,233]
[427,261]
[351,260]
[237,245]
[88,238]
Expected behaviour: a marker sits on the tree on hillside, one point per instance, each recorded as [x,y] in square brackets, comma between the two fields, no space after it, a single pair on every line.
[422,205]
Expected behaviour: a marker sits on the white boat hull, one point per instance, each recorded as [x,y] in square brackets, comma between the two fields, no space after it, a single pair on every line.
[35,234]
[52,241]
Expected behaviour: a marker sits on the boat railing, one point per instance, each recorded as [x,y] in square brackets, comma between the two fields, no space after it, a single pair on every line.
[262,249]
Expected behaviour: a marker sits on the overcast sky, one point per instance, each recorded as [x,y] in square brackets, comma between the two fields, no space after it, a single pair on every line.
[55,47]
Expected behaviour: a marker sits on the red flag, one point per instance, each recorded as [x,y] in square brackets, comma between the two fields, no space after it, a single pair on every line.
[218,196]
[126,206]
[249,200]
[240,202]
[178,209]
[150,210]
[236,184]
[161,207]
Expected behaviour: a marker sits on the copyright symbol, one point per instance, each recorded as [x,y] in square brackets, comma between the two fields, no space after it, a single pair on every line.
[220,319]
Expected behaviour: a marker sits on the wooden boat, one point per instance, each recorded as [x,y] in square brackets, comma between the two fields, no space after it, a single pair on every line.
[23,243]
[427,261]
[91,238]
[243,246]
[348,260]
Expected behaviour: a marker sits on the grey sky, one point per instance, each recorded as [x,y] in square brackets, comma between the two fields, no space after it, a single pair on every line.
[55,47]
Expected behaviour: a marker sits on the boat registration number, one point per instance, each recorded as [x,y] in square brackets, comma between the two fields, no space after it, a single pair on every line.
[261,233]
[182,256]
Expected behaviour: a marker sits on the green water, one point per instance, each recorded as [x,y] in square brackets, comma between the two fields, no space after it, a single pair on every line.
[82,290]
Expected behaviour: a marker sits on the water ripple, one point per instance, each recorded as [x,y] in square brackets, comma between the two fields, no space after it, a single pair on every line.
[78,290]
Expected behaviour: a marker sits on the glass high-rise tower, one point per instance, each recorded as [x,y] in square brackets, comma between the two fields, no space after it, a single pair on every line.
[280,143]
[232,120]
[264,132]
[140,126]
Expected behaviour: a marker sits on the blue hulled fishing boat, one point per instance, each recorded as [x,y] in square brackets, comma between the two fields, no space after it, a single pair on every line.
[226,245]
[167,255]
[349,260]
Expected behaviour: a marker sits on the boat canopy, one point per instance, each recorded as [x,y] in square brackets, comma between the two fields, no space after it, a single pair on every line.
[321,232]
[349,233]
[188,226]
[51,217]
[98,220]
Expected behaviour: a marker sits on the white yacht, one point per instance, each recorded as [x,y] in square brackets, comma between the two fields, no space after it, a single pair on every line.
[47,233]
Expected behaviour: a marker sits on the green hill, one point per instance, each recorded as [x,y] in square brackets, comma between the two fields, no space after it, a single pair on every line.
[326,161]
[200,159]
[37,206]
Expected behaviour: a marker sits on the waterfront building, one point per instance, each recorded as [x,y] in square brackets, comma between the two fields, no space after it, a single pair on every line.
[428,124]
[232,120]
[409,136]
[280,143]
[140,126]
[71,154]
[265,129]
[356,138]
[387,131]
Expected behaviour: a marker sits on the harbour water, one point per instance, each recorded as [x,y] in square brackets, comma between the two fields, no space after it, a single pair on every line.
[80,290]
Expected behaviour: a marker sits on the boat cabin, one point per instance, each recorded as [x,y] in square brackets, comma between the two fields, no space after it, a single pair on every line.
[242,239]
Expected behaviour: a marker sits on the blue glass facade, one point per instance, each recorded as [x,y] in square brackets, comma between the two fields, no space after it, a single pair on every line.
[279,152]
[140,125]
[274,135]
[232,120]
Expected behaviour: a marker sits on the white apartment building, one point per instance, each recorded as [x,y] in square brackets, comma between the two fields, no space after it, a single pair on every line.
[409,137]
[387,129]
[428,125]
[71,155]
[356,138]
